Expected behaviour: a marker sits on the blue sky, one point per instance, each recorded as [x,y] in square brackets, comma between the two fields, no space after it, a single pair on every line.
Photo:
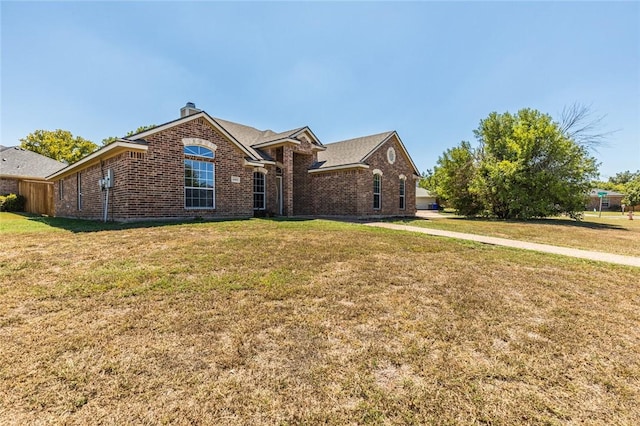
[430,70]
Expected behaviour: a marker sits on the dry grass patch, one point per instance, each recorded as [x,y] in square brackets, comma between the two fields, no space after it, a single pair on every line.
[267,322]
[610,234]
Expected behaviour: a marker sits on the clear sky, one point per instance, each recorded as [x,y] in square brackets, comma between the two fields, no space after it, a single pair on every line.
[430,70]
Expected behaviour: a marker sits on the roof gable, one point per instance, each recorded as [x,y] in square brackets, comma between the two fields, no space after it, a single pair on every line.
[243,132]
[356,151]
[247,138]
[351,151]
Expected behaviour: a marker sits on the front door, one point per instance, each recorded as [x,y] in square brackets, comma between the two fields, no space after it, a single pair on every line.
[279,194]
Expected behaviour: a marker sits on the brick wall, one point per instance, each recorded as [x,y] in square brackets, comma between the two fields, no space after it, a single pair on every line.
[151,185]
[8,186]
[350,192]
[335,193]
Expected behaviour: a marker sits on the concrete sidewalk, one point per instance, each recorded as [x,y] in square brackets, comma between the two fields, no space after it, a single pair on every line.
[545,248]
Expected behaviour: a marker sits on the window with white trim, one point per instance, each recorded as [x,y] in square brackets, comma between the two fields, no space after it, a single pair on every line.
[377,194]
[79,188]
[61,189]
[199,178]
[259,193]
[605,203]
[402,193]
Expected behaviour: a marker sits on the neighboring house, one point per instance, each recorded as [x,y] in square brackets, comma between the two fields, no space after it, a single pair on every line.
[200,166]
[24,172]
[425,200]
[611,201]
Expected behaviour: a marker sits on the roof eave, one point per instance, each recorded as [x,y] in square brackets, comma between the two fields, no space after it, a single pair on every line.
[115,148]
[404,149]
[211,120]
[339,167]
[22,177]
[308,129]
[275,143]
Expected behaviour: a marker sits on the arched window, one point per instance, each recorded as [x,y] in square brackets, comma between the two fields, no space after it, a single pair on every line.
[198,151]
[377,194]
[199,177]
[259,194]
[403,187]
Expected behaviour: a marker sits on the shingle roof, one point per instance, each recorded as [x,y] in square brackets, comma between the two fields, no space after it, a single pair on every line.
[351,151]
[249,136]
[594,192]
[19,162]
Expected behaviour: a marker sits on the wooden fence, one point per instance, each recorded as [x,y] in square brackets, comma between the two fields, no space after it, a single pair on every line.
[39,196]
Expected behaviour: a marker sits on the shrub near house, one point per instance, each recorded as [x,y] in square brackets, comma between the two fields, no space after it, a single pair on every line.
[200,166]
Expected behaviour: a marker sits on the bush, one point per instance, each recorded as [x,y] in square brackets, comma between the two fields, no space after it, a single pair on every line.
[12,203]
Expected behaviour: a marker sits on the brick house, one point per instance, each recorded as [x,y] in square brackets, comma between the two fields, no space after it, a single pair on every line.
[200,166]
[611,201]
[24,172]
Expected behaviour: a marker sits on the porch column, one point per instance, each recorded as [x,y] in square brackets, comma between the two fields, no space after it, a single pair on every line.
[287,172]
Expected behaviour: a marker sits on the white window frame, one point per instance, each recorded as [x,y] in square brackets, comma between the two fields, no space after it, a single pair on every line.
[378,177]
[403,194]
[263,193]
[199,160]
[79,190]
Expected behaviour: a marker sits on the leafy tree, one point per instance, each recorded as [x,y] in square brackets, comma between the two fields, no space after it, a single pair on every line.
[426,180]
[525,167]
[111,139]
[453,178]
[622,178]
[632,192]
[530,168]
[607,185]
[58,144]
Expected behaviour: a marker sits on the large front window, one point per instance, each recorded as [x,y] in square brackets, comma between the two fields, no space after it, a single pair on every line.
[199,179]
[376,191]
[259,201]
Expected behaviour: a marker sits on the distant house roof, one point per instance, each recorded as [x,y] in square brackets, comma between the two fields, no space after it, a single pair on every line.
[16,162]
[594,192]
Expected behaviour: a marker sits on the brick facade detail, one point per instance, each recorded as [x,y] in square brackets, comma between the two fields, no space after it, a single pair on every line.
[8,186]
[350,192]
[150,185]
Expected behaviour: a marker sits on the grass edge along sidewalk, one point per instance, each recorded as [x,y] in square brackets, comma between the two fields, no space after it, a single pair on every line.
[545,248]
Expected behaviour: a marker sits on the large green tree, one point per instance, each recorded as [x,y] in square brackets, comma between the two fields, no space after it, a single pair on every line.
[453,177]
[525,166]
[111,139]
[58,144]
[632,192]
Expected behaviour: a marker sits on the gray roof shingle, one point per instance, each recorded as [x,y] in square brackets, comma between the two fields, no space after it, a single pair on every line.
[19,162]
[249,136]
[351,151]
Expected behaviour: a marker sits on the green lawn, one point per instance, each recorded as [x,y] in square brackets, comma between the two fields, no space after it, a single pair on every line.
[612,233]
[306,322]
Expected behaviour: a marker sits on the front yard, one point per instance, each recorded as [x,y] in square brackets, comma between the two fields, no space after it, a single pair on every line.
[306,322]
[612,233]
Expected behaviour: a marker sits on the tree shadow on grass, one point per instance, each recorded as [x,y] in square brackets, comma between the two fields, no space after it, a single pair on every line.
[86,225]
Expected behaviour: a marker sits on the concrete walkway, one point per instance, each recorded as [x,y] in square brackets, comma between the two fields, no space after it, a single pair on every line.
[545,248]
